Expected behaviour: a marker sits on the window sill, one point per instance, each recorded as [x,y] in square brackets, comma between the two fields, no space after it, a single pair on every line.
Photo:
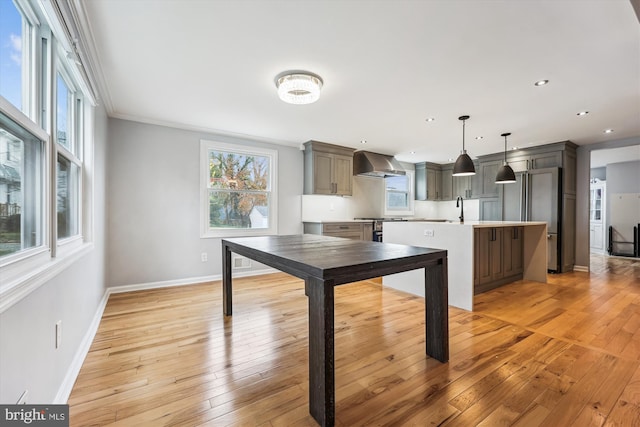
[238,233]
[12,292]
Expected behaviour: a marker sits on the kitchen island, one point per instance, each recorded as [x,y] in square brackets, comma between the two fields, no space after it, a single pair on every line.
[482,254]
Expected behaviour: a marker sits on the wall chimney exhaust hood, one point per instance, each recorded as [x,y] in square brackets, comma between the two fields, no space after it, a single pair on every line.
[373,164]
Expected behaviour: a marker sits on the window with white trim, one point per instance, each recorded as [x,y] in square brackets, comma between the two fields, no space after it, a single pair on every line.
[43,101]
[238,190]
[398,194]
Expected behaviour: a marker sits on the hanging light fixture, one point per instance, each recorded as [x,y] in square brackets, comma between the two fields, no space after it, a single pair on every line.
[505,174]
[464,164]
[298,87]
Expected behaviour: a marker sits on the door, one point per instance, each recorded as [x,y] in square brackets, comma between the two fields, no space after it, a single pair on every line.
[596,217]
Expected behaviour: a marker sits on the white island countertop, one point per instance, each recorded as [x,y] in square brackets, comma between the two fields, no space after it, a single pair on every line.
[458,239]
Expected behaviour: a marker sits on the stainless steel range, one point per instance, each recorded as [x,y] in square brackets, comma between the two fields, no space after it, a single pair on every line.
[377,226]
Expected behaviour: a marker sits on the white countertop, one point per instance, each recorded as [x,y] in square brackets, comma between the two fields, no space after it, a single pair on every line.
[479,224]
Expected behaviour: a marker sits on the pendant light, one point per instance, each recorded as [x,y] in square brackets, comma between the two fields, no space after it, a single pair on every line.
[505,174]
[464,164]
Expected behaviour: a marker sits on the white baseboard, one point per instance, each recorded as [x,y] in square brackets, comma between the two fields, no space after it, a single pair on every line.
[581,268]
[187,281]
[64,391]
[72,373]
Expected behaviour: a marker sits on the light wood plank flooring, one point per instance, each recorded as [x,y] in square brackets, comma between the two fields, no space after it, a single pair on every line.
[566,353]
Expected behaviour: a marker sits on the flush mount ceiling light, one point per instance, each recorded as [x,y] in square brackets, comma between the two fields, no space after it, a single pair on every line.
[464,164]
[298,87]
[505,174]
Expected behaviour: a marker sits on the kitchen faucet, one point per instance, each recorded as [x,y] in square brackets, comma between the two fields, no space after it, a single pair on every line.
[460,204]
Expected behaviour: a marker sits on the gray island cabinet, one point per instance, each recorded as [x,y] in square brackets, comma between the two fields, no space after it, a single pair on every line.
[482,254]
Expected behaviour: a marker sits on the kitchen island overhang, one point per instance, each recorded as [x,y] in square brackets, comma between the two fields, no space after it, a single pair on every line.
[459,239]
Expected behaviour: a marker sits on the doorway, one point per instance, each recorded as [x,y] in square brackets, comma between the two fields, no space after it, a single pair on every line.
[614,178]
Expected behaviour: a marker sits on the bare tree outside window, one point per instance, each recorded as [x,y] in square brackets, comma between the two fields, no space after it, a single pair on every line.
[238,190]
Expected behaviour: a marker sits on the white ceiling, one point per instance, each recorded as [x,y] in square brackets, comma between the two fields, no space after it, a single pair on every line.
[387,65]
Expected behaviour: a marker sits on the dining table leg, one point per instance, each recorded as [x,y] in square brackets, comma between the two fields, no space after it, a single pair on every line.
[437,310]
[321,350]
[226,281]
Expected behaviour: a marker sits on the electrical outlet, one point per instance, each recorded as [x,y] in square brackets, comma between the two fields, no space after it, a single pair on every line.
[204,257]
[428,232]
[23,398]
[58,333]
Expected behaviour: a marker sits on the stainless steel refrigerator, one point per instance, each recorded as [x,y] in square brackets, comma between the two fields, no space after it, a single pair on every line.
[536,197]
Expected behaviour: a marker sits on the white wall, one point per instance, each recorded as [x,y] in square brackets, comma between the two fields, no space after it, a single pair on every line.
[28,358]
[154,207]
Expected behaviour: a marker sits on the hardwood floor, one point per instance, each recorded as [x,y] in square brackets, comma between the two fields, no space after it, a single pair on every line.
[565,353]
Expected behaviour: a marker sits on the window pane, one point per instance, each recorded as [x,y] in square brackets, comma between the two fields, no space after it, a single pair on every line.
[235,171]
[63,114]
[397,200]
[398,183]
[21,189]
[67,197]
[11,53]
[231,209]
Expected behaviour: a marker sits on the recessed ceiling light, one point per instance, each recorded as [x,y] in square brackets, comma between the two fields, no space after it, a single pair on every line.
[412,152]
[363,141]
[430,119]
[479,137]
[451,159]
[608,130]
[582,113]
[541,82]
[514,148]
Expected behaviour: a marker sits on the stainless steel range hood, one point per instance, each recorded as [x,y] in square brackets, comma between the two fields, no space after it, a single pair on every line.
[374,164]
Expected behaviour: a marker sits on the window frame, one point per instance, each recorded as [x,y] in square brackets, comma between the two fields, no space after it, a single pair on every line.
[24,271]
[410,175]
[207,232]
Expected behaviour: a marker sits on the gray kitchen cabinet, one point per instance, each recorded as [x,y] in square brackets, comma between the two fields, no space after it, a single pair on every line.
[328,169]
[428,177]
[513,247]
[347,230]
[446,182]
[498,256]
[466,186]
[527,163]
[488,256]
[488,171]
[490,208]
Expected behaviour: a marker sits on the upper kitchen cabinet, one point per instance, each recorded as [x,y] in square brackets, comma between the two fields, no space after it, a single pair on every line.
[447,183]
[328,169]
[428,181]
[546,156]
[465,186]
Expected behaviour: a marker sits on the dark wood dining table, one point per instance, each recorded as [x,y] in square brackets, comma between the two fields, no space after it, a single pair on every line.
[324,262]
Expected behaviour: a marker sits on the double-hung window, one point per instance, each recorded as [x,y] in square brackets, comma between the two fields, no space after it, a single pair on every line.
[238,190]
[398,194]
[43,93]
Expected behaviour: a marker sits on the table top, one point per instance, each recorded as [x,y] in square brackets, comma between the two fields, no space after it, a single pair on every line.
[333,258]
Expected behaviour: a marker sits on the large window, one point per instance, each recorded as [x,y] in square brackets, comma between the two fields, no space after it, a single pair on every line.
[238,190]
[42,141]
